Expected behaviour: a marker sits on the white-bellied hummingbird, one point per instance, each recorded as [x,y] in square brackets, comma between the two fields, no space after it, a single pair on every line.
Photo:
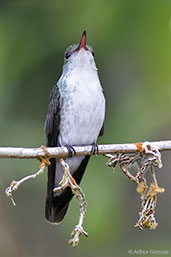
[75,117]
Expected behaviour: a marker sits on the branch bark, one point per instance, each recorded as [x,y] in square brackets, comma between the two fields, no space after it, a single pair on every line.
[49,152]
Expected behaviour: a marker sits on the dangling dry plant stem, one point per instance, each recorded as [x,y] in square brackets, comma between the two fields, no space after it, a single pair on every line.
[144,161]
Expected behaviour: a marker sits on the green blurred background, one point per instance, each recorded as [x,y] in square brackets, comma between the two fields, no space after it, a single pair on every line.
[132,46]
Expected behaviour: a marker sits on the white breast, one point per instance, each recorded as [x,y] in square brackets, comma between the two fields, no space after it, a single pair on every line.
[83,104]
[82,116]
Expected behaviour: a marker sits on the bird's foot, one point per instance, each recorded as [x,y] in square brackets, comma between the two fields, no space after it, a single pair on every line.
[71,150]
[94,149]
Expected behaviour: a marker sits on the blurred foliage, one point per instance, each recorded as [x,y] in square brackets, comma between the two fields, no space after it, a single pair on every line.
[132,43]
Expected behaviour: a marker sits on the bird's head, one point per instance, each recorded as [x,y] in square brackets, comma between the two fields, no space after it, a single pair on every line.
[80,55]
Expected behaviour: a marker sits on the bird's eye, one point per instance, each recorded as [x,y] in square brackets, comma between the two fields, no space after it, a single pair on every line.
[92,54]
[67,55]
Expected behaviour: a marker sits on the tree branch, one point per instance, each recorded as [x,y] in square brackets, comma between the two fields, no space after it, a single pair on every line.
[49,152]
[134,160]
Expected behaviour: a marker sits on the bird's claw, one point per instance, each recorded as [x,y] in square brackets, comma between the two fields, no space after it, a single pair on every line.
[94,149]
[71,150]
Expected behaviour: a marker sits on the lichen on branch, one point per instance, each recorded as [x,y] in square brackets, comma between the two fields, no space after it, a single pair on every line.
[141,162]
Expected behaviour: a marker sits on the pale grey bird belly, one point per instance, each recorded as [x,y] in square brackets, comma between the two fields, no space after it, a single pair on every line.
[81,119]
[81,116]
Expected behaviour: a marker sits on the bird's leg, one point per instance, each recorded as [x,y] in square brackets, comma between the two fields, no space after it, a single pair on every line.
[95,148]
[71,150]
[66,181]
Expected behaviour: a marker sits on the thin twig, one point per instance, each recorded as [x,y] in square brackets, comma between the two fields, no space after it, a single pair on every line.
[127,173]
[15,184]
[69,181]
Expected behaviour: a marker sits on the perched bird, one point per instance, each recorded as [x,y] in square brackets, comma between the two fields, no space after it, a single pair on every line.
[75,117]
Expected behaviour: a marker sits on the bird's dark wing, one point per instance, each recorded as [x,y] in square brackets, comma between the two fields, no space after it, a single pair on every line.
[52,132]
[101,131]
[52,118]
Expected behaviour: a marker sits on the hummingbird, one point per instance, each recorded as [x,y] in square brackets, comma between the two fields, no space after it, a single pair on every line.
[75,117]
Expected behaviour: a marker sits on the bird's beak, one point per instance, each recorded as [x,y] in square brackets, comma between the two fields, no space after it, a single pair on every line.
[82,42]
